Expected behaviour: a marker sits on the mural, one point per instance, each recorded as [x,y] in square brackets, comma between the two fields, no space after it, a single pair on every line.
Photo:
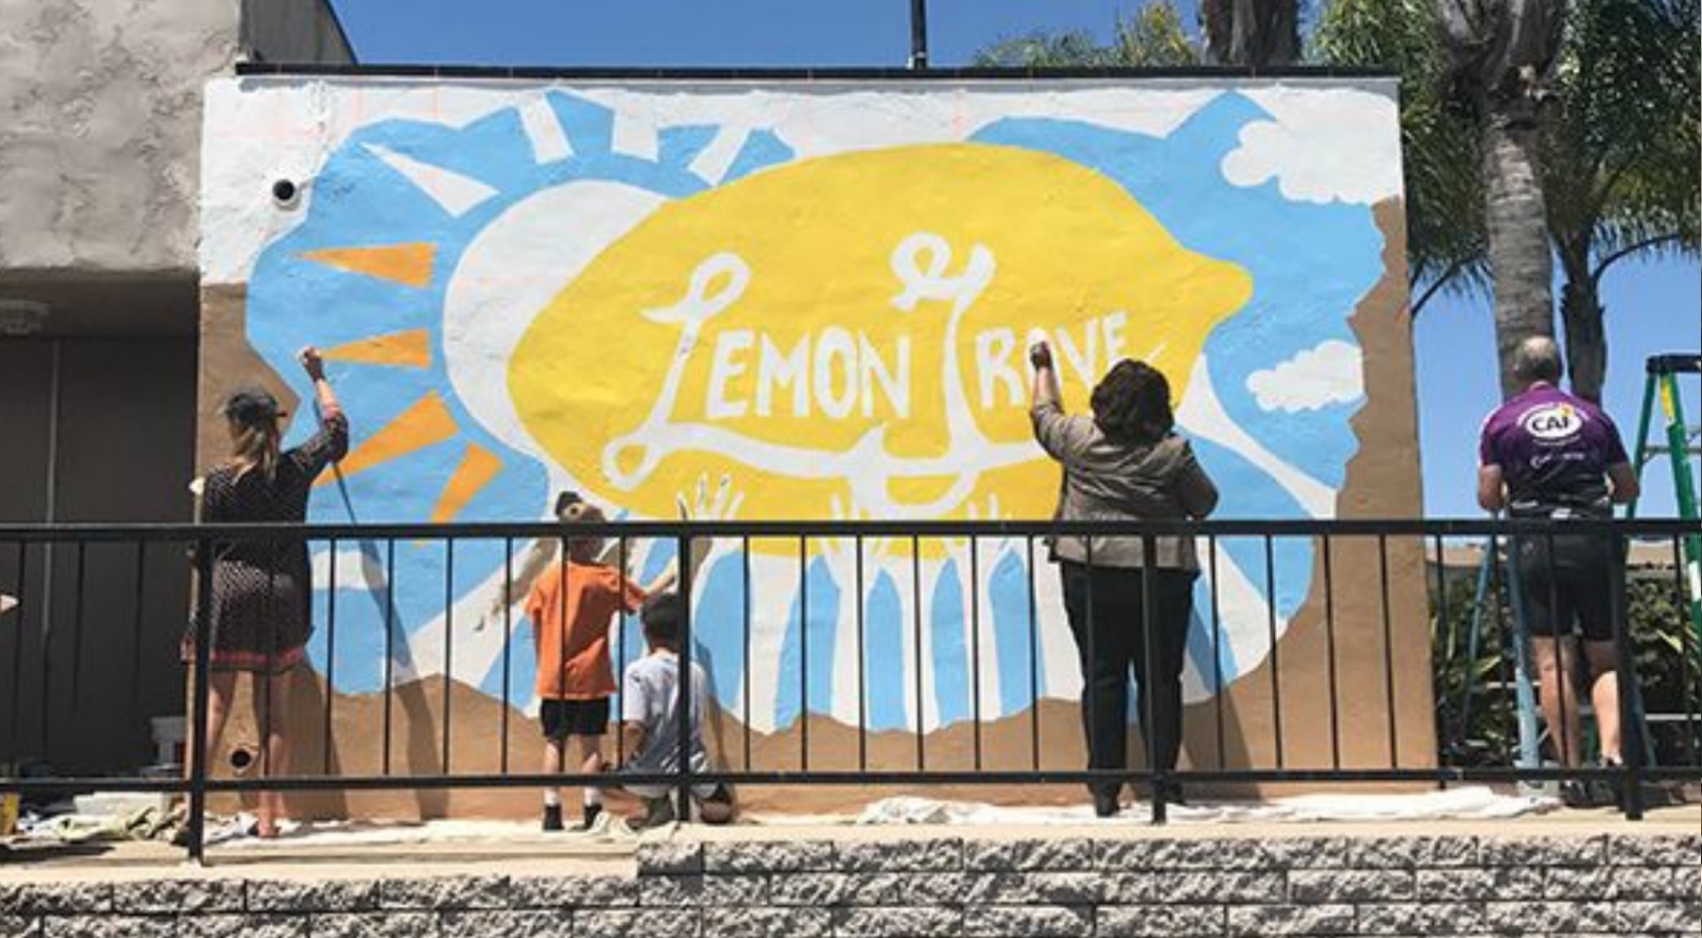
[800,301]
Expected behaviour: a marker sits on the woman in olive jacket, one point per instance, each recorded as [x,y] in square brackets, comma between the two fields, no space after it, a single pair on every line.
[1123,463]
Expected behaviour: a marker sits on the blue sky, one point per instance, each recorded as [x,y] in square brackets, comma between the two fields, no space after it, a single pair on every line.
[1653,306]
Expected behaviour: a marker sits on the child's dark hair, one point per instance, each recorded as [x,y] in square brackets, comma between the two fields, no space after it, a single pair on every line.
[566,500]
[664,618]
[1132,403]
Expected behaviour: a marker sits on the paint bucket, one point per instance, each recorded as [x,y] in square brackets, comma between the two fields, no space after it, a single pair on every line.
[170,734]
[8,813]
[8,804]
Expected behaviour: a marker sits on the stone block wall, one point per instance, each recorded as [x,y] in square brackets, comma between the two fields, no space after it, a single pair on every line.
[1065,887]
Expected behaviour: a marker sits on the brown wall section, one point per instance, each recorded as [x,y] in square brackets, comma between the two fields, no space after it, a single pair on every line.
[1341,646]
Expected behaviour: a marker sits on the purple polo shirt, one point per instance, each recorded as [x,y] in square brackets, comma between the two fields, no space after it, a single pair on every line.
[1553,450]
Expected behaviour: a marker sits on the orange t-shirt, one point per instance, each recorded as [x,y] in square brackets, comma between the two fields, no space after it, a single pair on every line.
[571,606]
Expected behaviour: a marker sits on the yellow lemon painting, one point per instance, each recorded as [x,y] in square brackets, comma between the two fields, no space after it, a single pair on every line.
[852,329]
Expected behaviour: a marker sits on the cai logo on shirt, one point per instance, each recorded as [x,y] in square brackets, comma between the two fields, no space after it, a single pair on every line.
[1556,421]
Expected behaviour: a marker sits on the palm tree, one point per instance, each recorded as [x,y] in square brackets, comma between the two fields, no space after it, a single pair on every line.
[1500,56]
[1618,152]
[1252,33]
[1620,160]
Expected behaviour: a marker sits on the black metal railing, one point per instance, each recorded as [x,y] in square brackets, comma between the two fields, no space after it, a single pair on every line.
[1336,698]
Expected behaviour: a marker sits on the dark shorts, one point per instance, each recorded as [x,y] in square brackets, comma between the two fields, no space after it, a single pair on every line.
[564,718]
[1567,582]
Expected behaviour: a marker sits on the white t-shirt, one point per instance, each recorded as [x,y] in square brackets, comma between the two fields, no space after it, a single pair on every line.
[650,698]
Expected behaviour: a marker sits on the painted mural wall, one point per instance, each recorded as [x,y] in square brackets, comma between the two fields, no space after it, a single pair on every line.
[790,301]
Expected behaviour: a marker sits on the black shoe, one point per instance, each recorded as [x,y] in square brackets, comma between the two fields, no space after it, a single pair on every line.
[1574,793]
[592,811]
[1171,792]
[552,817]
[1105,802]
[1608,792]
[657,813]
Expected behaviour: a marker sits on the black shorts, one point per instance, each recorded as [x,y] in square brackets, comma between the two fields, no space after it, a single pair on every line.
[1570,586]
[564,718]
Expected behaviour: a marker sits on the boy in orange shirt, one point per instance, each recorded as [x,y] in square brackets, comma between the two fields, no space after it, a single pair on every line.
[571,607]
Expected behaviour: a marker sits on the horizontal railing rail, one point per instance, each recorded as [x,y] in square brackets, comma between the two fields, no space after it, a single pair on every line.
[1652,528]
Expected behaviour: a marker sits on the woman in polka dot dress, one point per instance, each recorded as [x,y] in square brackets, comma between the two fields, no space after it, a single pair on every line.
[260,615]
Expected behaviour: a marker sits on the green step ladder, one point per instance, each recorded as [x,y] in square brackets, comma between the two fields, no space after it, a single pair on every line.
[1661,388]
[1681,444]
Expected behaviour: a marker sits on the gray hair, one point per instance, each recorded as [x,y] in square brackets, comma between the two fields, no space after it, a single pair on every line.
[1538,359]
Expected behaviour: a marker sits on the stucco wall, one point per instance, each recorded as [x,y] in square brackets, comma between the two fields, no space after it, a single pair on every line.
[100,128]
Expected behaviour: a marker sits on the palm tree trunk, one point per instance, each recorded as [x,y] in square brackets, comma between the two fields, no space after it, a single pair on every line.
[1517,232]
[1586,334]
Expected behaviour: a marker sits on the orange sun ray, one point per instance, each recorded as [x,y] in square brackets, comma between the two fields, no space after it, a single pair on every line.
[428,421]
[408,264]
[478,467]
[410,349]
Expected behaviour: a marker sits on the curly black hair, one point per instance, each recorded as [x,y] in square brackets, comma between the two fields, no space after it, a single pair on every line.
[1131,404]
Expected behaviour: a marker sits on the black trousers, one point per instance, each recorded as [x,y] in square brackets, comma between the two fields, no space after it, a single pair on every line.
[1112,636]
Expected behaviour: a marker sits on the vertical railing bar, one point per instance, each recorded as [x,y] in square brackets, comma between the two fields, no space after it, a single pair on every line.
[1563,674]
[620,641]
[1149,714]
[862,667]
[1388,649]
[1330,646]
[448,642]
[77,628]
[1276,660]
[803,654]
[1090,692]
[269,653]
[975,642]
[507,638]
[330,655]
[14,732]
[44,741]
[136,629]
[1444,622]
[745,701]
[1033,656]
[201,684]
[77,634]
[916,621]
[1685,641]
[1217,651]
[1632,746]
[687,683]
[389,642]
[1503,660]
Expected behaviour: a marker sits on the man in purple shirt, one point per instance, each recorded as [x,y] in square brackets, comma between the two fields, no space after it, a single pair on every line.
[1547,454]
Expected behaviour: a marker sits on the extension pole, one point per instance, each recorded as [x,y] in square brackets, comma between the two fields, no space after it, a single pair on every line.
[919,34]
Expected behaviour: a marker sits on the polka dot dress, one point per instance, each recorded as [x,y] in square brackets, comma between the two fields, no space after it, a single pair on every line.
[261,617]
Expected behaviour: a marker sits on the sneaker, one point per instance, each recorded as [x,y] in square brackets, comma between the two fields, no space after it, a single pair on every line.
[552,817]
[657,813]
[589,821]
